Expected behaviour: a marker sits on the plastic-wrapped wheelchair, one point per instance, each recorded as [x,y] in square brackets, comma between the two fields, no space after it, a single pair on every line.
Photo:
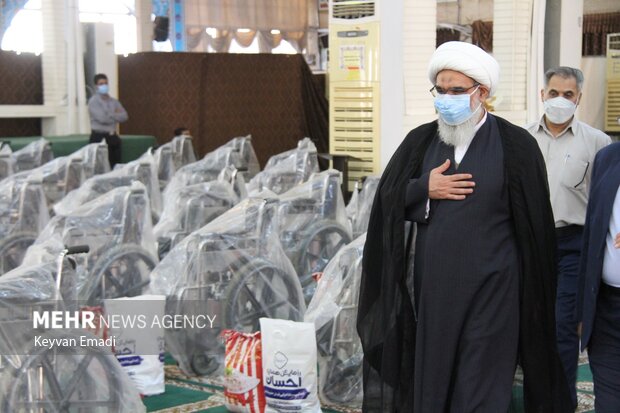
[117,226]
[207,169]
[63,378]
[333,310]
[234,269]
[287,169]
[313,225]
[33,155]
[248,162]
[192,207]
[58,177]
[23,214]
[164,159]
[360,205]
[94,159]
[172,156]
[143,170]
[7,163]
[183,150]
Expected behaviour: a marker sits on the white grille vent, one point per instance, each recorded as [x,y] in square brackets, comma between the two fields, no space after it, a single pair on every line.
[612,97]
[354,127]
[353,9]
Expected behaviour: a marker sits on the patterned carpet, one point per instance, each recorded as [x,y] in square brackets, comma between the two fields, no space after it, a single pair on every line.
[191,394]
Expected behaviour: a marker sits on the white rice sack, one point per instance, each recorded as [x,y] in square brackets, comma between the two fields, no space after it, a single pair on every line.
[140,345]
[289,366]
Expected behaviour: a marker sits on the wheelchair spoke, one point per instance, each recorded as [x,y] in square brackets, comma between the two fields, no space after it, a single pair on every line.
[75,379]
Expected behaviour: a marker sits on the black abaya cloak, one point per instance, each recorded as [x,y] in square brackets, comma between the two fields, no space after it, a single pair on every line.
[386,323]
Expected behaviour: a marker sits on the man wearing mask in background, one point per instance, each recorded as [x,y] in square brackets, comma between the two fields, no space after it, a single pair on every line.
[458,276]
[569,147]
[105,112]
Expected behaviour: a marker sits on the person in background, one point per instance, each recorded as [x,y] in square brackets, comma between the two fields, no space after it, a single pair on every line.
[105,113]
[599,280]
[569,147]
[458,277]
[182,131]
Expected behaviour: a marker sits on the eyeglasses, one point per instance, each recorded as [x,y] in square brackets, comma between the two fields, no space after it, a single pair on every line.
[436,90]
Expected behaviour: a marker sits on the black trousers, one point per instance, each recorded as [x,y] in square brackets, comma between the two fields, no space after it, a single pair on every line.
[604,351]
[114,145]
[569,253]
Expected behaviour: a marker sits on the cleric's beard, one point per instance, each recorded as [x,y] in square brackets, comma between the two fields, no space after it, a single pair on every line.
[455,135]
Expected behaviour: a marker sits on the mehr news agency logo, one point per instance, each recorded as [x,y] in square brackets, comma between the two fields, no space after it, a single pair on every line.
[88,320]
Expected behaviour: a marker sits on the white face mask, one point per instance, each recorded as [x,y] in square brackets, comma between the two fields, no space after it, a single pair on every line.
[559,110]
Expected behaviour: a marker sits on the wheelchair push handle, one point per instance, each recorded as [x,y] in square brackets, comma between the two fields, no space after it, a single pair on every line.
[78,249]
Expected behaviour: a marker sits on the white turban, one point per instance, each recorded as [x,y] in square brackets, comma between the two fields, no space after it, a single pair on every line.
[468,59]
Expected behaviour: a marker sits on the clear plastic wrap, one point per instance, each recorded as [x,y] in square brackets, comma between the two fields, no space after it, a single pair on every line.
[238,153]
[333,310]
[164,158]
[234,269]
[23,214]
[7,162]
[287,169]
[120,236]
[94,159]
[183,150]
[313,225]
[33,155]
[360,205]
[59,177]
[194,206]
[248,165]
[143,169]
[67,377]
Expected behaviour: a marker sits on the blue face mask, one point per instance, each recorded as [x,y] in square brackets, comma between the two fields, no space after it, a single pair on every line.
[454,109]
[103,89]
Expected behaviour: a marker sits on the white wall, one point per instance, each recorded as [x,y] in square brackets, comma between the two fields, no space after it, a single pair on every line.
[464,11]
[591,110]
[511,48]
[391,78]
[420,23]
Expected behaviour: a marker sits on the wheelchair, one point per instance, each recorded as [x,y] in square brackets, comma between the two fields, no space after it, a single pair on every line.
[164,159]
[194,206]
[313,225]
[142,170]
[118,228]
[33,155]
[248,162]
[94,159]
[183,151]
[172,156]
[360,205]
[62,379]
[58,177]
[333,310]
[7,163]
[233,269]
[208,168]
[287,169]
[23,214]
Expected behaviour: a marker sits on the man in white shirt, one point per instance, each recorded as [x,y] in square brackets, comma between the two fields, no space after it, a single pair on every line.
[568,147]
[599,280]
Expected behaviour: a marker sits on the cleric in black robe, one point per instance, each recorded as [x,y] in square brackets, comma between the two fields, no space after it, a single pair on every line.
[459,273]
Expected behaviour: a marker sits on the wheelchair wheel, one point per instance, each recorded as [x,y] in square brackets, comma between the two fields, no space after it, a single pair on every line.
[203,364]
[50,382]
[321,244]
[260,289]
[13,248]
[343,381]
[122,271]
